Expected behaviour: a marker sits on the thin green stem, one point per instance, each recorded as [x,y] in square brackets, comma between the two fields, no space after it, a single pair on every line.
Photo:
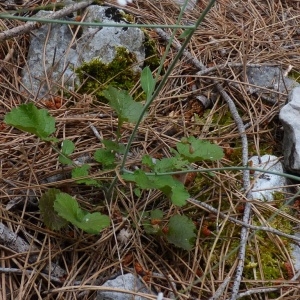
[293,177]
[95,24]
[164,80]
[161,85]
[168,47]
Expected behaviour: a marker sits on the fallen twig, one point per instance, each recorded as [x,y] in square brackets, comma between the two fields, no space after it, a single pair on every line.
[266,290]
[16,31]
[19,271]
[246,174]
[221,289]
[11,240]
[236,221]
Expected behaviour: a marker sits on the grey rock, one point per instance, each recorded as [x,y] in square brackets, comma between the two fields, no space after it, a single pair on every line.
[127,282]
[190,4]
[296,254]
[102,42]
[55,52]
[271,78]
[290,118]
[266,184]
[49,59]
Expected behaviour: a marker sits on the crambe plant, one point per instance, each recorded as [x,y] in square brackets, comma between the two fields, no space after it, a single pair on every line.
[66,208]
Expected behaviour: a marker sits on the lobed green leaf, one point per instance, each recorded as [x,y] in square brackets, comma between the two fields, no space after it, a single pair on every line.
[126,108]
[68,208]
[29,118]
[67,148]
[147,82]
[194,150]
[171,187]
[82,172]
[105,157]
[181,232]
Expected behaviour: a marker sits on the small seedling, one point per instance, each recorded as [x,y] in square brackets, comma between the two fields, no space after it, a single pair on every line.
[67,148]
[68,208]
[126,108]
[170,186]
[57,209]
[178,230]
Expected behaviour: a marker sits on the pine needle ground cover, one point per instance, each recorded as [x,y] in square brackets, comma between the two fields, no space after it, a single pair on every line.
[138,238]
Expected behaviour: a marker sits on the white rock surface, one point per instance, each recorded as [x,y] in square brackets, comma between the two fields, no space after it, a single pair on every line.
[266,184]
[290,118]
[190,3]
[127,282]
[296,254]
[54,50]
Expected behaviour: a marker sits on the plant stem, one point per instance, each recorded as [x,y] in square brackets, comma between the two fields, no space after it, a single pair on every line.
[161,85]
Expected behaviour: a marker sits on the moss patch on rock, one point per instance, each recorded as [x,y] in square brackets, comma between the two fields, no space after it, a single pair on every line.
[95,76]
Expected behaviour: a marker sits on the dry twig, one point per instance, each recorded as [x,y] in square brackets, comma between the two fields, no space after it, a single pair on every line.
[16,31]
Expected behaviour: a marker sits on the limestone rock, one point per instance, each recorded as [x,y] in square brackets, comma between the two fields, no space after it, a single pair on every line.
[290,118]
[266,184]
[127,282]
[55,50]
[296,254]
[190,4]
[271,78]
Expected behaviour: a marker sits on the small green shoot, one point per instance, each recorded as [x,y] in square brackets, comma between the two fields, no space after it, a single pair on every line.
[152,221]
[179,230]
[189,150]
[50,217]
[147,82]
[126,108]
[195,150]
[165,164]
[67,148]
[27,117]
[171,187]
[68,208]
[106,156]
[114,146]
[83,171]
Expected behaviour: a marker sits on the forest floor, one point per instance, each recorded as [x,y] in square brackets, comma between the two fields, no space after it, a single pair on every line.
[234,34]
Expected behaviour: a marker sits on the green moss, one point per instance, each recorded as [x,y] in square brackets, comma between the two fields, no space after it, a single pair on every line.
[152,59]
[128,17]
[295,75]
[95,75]
[263,258]
[278,196]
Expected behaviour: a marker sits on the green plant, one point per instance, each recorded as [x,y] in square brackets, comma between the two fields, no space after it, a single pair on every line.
[188,150]
[178,230]
[57,208]
[66,208]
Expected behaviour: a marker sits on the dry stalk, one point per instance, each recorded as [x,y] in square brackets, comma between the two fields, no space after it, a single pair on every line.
[16,31]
